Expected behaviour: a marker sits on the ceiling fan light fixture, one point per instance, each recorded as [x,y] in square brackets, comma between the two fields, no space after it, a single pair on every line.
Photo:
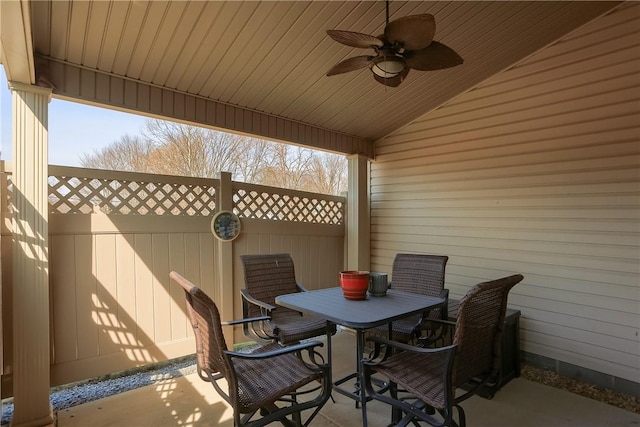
[406,43]
[388,66]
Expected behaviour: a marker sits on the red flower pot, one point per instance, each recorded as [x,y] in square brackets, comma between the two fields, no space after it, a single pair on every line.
[354,284]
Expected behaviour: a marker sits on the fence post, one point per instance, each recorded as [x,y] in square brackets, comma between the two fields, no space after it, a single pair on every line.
[224,262]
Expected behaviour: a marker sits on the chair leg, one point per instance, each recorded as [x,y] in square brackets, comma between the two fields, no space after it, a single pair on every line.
[297,419]
[396,414]
[462,422]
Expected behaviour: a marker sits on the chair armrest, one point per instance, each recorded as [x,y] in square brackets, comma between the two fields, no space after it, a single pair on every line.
[247,297]
[446,323]
[389,344]
[242,321]
[277,352]
[378,341]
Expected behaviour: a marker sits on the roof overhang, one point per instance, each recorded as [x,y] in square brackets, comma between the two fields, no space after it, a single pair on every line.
[16,46]
[259,67]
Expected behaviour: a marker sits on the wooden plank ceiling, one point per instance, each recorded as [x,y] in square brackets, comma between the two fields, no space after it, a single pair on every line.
[272,56]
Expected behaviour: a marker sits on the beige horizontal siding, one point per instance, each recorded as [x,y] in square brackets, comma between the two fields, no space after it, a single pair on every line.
[536,171]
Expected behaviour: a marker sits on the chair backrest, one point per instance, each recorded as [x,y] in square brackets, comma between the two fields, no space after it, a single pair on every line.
[479,325]
[420,274]
[207,328]
[267,276]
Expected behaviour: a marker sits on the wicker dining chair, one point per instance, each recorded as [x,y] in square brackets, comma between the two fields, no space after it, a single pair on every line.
[266,277]
[423,381]
[418,274]
[271,383]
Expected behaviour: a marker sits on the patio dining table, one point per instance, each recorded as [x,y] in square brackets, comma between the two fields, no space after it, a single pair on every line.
[359,315]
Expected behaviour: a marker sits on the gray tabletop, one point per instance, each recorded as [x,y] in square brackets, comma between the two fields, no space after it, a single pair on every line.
[371,312]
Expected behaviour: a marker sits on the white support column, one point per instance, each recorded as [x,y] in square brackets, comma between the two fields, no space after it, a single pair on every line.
[358,222]
[31,347]
[225,258]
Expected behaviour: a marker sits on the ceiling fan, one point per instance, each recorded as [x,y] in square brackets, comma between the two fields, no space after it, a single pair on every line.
[406,43]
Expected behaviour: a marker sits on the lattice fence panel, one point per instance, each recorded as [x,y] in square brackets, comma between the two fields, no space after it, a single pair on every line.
[71,194]
[82,195]
[287,207]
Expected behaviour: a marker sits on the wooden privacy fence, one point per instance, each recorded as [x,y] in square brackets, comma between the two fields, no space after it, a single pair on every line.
[114,238]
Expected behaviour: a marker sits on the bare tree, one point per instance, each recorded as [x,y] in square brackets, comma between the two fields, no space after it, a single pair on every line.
[289,167]
[328,174]
[189,150]
[253,157]
[129,153]
[175,149]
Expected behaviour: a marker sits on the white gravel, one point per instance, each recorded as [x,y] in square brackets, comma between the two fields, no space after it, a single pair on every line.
[71,395]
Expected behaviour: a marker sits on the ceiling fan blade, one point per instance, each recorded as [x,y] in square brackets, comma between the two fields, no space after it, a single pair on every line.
[354,39]
[412,32]
[393,81]
[350,64]
[436,56]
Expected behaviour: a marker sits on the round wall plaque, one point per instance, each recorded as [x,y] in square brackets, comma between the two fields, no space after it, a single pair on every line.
[225,225]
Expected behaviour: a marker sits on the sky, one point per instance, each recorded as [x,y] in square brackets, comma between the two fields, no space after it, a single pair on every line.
[74,129]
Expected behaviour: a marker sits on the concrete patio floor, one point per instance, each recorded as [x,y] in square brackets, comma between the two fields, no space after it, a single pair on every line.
[188,401]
